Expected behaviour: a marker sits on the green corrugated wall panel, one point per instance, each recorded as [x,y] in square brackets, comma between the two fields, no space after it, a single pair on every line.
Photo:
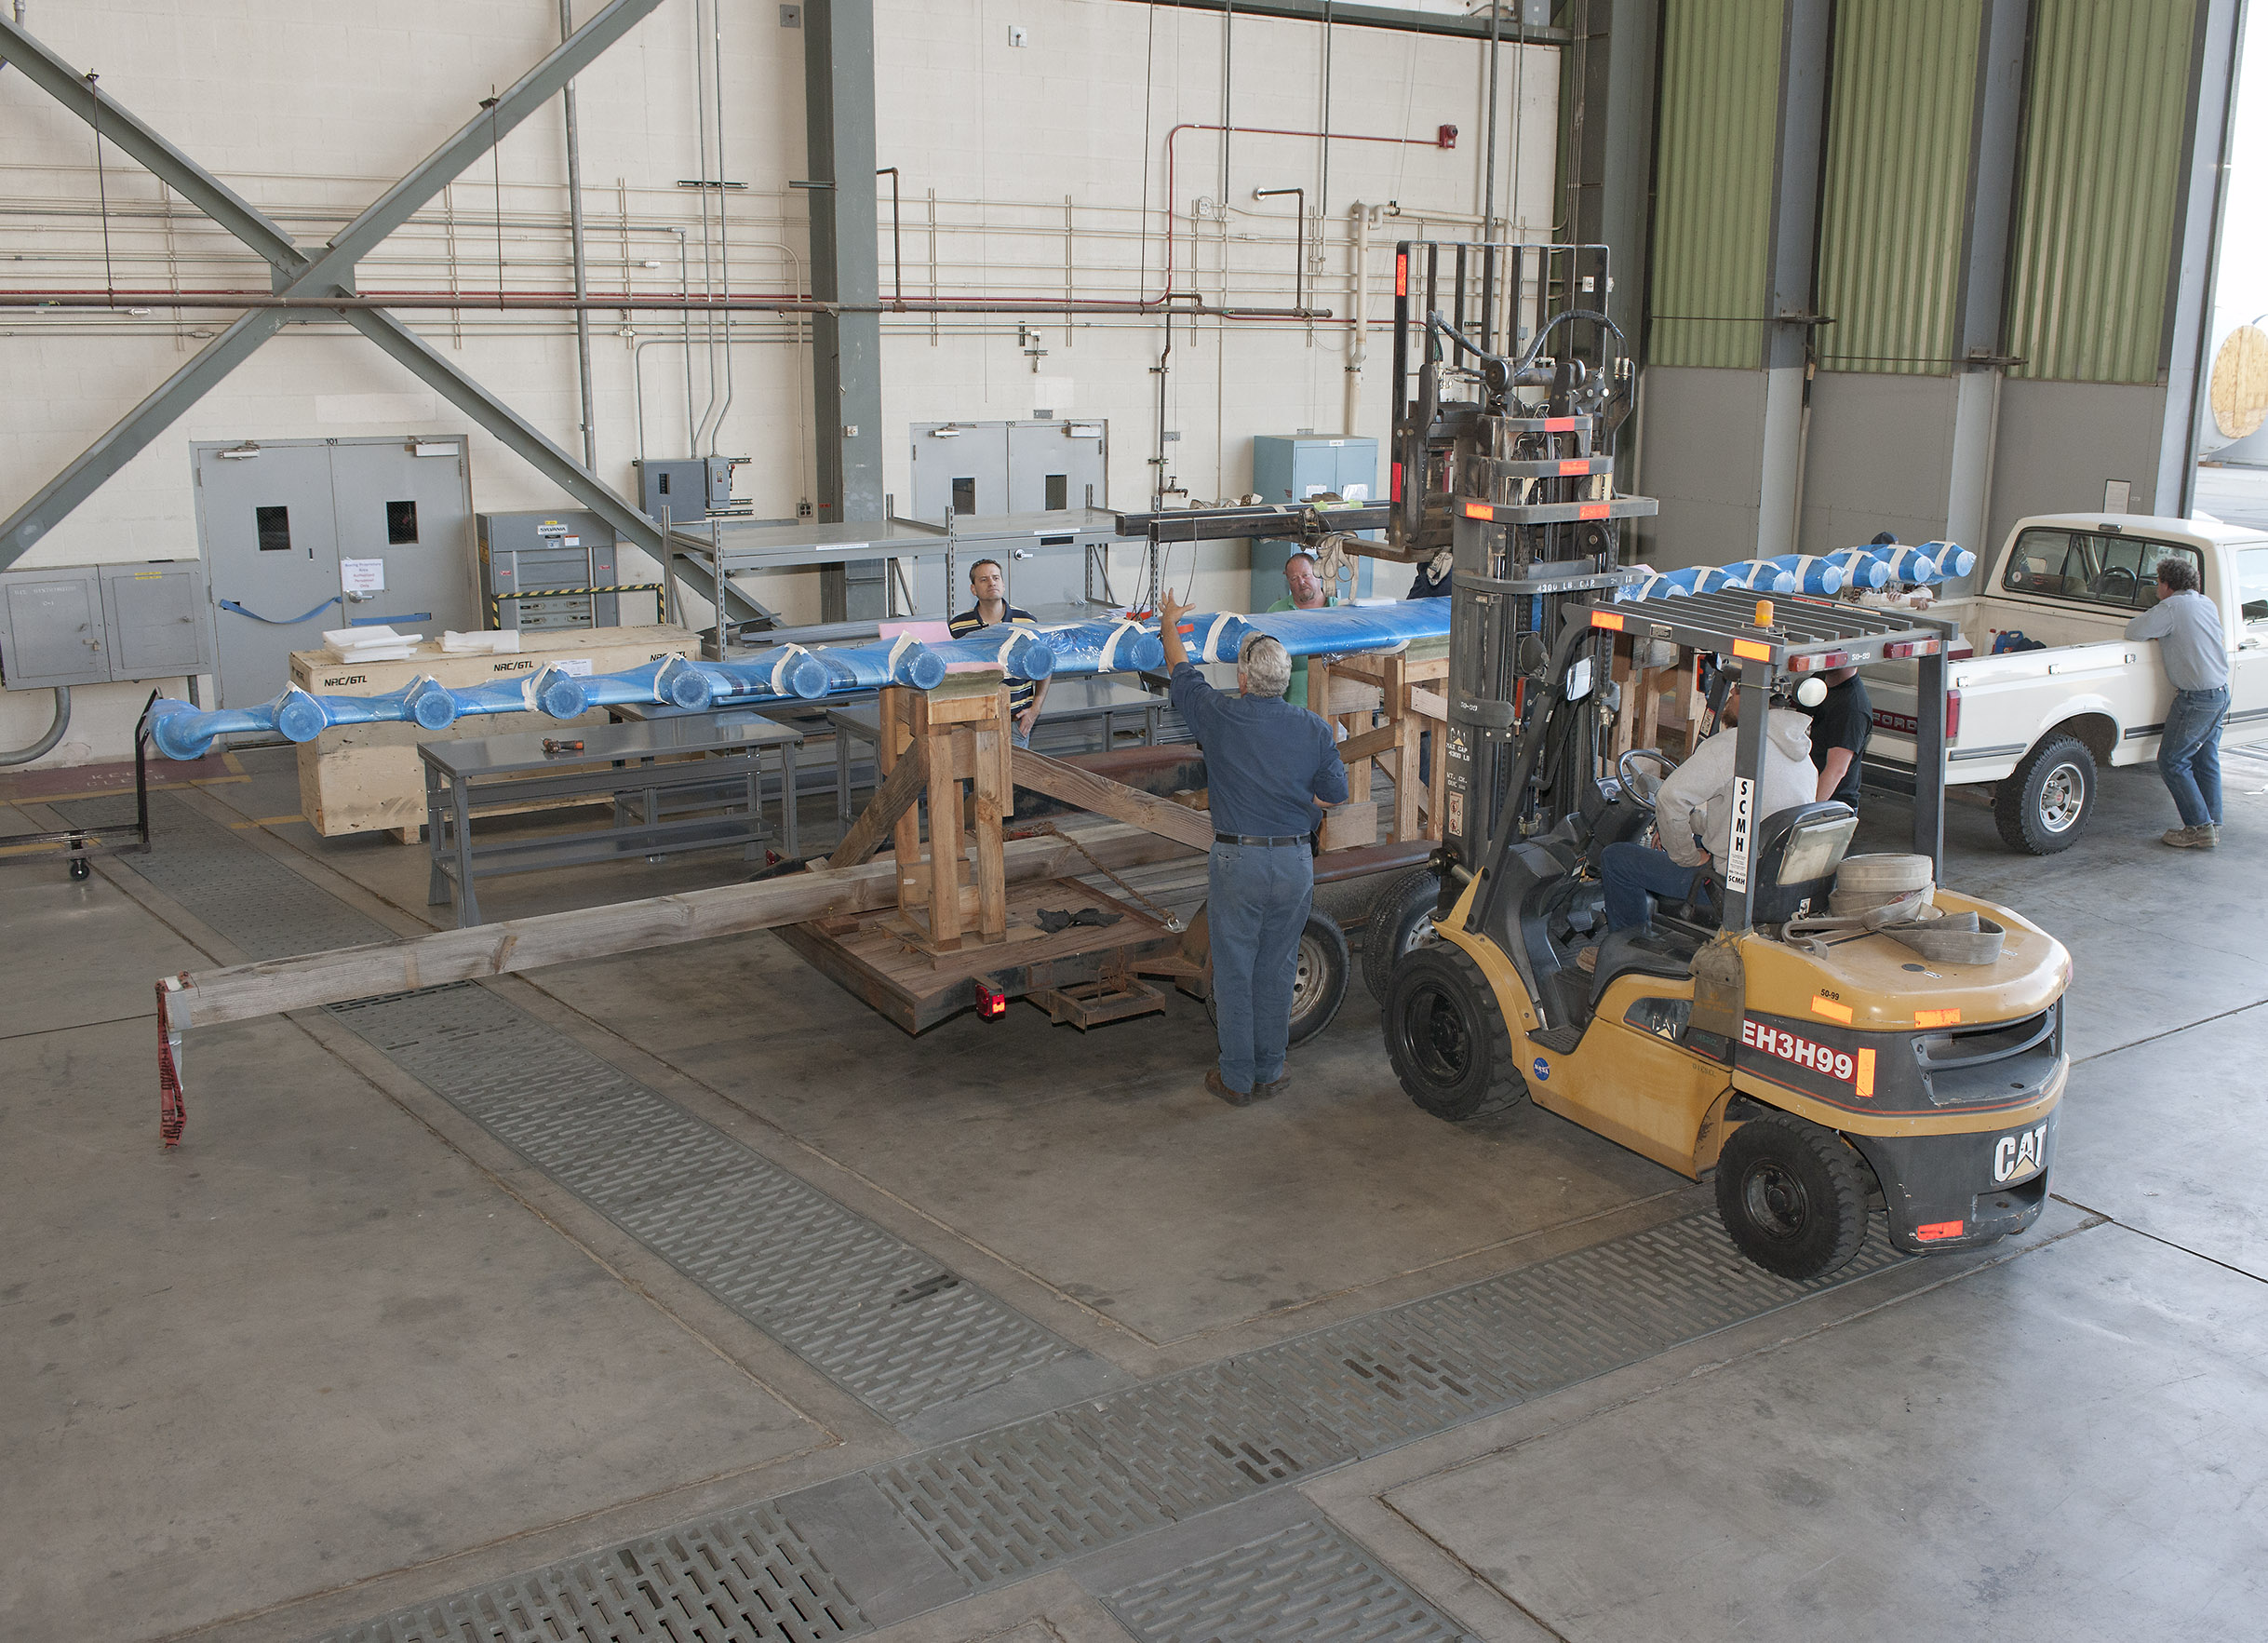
[2106,110]
[1712,206]
[1896,189]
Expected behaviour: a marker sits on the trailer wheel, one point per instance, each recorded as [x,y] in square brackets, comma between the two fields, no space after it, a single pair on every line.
[1446,1036]
[2043,806]
[1319,984]
[1791,1196]
[1400,922]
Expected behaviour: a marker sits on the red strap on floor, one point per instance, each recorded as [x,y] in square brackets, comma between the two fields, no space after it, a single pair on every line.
[173,1112]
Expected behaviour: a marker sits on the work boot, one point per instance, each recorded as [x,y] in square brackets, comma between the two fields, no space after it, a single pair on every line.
[1587,961]
[1273,1087]
[1219,1087]
[2204,837]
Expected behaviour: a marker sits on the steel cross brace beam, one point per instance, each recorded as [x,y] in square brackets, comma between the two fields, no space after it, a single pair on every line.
[329,272]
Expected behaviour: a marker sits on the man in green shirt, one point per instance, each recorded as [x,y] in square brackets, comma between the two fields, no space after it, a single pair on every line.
[1303,592]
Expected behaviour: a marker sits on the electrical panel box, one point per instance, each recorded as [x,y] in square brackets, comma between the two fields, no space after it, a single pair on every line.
[533,567]
[689,488]
[1291,467]
[104,624]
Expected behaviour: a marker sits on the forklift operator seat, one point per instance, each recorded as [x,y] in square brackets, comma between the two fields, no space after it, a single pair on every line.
[1797,852]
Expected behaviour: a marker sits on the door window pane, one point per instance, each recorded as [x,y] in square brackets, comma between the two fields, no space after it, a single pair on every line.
[1058,492]
[2252,583]
[274,525]
[964,496]
[401,524]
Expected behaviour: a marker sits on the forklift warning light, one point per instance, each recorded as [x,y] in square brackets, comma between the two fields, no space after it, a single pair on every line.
[1937,1229]
[1608,619]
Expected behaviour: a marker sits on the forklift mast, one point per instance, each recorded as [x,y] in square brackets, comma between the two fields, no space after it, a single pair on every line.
[1510,384]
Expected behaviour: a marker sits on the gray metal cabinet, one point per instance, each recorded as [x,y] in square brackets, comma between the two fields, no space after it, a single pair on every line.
[988,469]
[1052,466]
[103,624]
[1292,468]
[153,617]
[53,631]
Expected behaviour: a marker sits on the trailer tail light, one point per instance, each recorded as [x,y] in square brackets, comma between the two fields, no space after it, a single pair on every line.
[991,1003]
[1910,647]
[1826,661]
[1952,715]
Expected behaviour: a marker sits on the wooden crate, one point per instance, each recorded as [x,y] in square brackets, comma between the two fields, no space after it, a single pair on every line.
[361,778]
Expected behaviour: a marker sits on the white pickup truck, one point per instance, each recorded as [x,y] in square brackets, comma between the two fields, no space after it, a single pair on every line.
[2039,724]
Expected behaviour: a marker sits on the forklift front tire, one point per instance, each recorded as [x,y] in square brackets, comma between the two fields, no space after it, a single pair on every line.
[1791,1196]
[1446,1036]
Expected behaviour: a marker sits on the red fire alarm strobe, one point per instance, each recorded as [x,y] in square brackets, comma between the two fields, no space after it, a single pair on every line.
[1446,137]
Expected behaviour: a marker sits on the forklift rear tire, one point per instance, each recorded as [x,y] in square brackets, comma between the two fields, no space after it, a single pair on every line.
[2044,804]
[1791,1196]
[1318,986]
[1400,922]
[1446,1036]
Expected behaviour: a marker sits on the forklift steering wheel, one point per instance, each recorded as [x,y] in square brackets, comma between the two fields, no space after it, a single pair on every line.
[1642,772]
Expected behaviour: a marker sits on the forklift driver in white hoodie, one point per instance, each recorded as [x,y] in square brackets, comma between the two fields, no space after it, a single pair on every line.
[1692,814]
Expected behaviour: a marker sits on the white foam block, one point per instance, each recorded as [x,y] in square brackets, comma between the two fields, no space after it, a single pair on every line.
[356,638]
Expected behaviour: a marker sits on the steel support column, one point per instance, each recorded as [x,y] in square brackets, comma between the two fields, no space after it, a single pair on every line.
[1806,41]
[1995,141]
[846,267]
[330,271]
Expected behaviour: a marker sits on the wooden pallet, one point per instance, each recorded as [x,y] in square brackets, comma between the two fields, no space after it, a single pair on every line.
[885,958]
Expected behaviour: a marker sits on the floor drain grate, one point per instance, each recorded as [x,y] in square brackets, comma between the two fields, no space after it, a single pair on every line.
[741,1577]
[1306,1582]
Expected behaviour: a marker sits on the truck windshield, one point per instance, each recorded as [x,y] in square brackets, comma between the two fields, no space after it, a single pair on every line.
[2095,568]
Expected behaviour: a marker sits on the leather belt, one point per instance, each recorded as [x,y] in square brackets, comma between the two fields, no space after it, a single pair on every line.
[1255,838]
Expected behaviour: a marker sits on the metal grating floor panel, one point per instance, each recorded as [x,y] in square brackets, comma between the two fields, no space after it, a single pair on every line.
[1308,1583]
[867,1309]
[742,1577]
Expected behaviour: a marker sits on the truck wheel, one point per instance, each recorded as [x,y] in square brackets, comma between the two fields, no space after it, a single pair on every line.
[1791,1196]
[1400,922]
[1446,1037]
[1319,984]
[2044,806]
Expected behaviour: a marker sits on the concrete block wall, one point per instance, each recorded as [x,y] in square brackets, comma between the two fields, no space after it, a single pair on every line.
[310,112]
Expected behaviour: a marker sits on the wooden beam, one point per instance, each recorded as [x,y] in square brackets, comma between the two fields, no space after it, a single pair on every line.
[243,992]
[1370,743]
[1088,791]
[898,792]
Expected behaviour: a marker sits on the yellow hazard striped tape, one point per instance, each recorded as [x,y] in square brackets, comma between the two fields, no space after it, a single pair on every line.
[496,604]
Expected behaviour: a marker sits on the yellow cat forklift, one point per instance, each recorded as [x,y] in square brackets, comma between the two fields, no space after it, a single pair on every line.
[1812,1070]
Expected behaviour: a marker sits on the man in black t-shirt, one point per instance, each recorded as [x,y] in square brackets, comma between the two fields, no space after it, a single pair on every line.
[1840,726]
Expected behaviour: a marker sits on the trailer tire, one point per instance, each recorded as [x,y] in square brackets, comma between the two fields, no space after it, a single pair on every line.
[1400,922]
[1446,1037]
[1791,1196]
[2042,807]
[1318,986]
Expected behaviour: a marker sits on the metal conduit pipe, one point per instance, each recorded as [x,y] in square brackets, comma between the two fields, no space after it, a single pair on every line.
[724,237]
[46,745]
[574,234]
[563,303]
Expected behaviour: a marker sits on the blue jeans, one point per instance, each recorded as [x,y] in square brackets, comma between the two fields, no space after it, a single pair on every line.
[2189,754]
[1257,897]
[1630,871]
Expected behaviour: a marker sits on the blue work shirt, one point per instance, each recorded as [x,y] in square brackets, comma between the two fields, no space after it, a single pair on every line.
[1266,761]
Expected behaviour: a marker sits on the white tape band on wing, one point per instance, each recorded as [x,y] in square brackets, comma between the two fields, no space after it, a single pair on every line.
[531,686]
[1107,661]
[779,670]
[1211,649]
[904,642]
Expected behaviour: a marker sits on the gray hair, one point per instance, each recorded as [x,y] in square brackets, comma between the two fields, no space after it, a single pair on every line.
[1267,665]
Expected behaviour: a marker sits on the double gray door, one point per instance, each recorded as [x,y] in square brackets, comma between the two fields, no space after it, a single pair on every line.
[290,527]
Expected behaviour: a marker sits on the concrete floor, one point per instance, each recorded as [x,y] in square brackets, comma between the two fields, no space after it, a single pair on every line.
[345,1352]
